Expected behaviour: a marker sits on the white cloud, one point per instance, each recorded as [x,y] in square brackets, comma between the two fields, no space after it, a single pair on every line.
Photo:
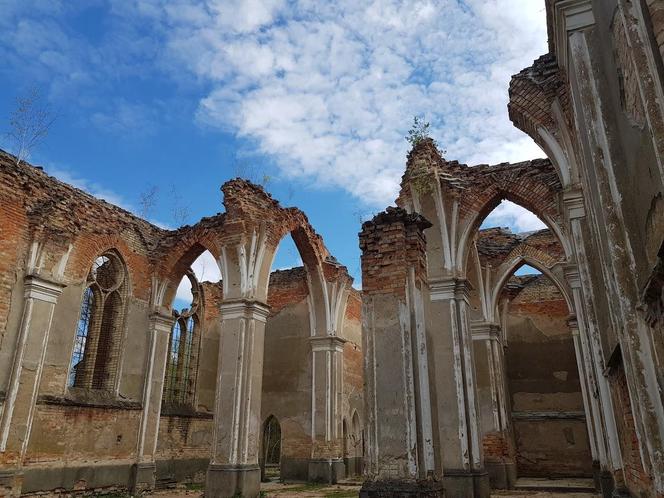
[511,215]
[92,188]
[329,88]
[206,269]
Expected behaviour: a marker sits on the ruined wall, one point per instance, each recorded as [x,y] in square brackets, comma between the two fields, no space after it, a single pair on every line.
[353,386]
[94,435]
[63,437]
[546,400]
[287,369]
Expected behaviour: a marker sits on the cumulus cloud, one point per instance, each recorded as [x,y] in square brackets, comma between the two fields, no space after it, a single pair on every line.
[511,215]
[330,88]
[326,89]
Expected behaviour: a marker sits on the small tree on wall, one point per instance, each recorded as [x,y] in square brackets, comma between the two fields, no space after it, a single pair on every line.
[29,123]
[420,175]
[420,130]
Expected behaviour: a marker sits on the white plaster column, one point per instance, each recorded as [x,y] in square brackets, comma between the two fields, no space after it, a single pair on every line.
[234,465]
[585,387]
[494,406]
[158,337]
[326,464]
[40,298]
[604,431]
[453,378]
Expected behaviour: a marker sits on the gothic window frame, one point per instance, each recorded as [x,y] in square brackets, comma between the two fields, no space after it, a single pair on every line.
[182,361]
[96,353]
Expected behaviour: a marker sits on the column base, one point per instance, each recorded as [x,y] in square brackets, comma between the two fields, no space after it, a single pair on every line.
[329,471]
[398,489]
[466,484]
[502,475]
[606,484]
[353,466]
[294,469]
[10,483]
[227,481]
[143,476]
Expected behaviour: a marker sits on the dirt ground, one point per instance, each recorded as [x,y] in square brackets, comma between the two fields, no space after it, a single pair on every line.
[279,490]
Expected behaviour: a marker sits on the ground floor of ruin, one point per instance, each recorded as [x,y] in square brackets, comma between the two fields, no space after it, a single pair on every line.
[526,488]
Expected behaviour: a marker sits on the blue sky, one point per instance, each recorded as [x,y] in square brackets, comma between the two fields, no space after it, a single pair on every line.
[316,96]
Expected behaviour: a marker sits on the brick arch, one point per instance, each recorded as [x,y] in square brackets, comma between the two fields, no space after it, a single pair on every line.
[533,185]
[530,258]
[88,246]
[178,251]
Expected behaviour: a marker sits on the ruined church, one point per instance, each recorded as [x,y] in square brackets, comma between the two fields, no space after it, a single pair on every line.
[451,373]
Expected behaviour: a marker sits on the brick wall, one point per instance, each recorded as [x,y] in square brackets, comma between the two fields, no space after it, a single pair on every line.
[390,239]
[636,478]
[656,8]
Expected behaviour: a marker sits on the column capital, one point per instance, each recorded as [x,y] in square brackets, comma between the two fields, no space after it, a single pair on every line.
[41,289]
[449,288]
[484,331]
[572,275]
[569,17]
[574,204]
[573,324]
[244,308]
[161,322]
[327,343]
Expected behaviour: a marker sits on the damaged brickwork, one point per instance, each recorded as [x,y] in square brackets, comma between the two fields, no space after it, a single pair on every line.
[122,434]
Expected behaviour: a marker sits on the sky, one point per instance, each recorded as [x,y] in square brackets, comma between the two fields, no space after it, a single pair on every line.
[311,98]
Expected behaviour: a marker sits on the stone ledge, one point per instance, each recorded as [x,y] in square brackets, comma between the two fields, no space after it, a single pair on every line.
[549,415]
[90,401]
[183,411]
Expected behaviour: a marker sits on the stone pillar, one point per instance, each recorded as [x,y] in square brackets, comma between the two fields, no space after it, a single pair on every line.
[145,467]
[400,458]
[234,468]
[326,464]
[456,409]
[497,439]
[585,388]
[603,423]
[41,296]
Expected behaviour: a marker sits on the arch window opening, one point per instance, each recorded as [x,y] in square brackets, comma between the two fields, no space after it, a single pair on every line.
[515,217]
[545,397]
[527,270]
[182,361]
[96,352]
[270,455]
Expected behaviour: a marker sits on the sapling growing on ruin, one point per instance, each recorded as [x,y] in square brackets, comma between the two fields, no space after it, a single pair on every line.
[29,124]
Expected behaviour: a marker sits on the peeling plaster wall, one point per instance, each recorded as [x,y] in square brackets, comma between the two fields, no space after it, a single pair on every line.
[547,405]
[287,370]
[60,438]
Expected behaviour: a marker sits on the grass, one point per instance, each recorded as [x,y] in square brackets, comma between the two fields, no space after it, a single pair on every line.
[195,486]
[342,494]
[298,488]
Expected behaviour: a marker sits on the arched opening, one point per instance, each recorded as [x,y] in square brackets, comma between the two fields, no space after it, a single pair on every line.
[96,354]
[270,455]
[287,361]
[532,401]
[546,399]
[346,443]
[188,334]
[356,446]
[512,215]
